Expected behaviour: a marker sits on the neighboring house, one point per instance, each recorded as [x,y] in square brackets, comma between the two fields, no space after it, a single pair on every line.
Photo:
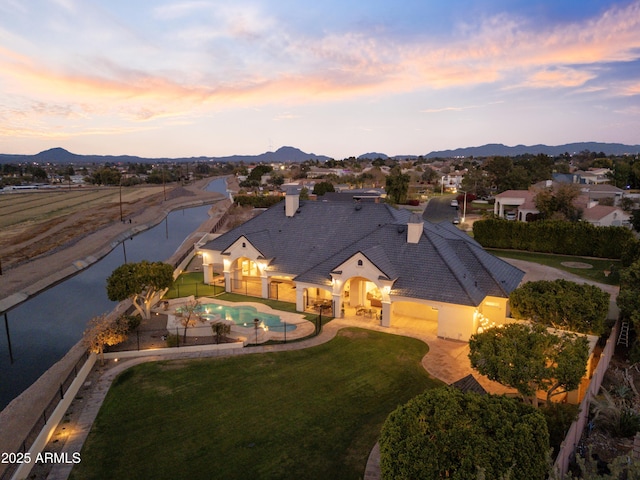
[593,176]
[606,216]
[598,192]
[365,258]
[523,202]
[452,181]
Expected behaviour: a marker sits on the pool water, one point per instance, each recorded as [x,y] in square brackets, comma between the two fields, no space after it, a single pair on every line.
[244,315]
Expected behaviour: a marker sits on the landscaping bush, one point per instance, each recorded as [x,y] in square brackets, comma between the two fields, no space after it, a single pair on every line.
[172,340]
[257,201]
[445,433]
[553,236]
[559,417]
[562,304]
[130,321]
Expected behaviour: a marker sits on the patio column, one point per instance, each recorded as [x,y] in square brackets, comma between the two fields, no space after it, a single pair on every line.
[207,271]
[299,298]
[265,286]
[385,317]
[337,305]
[227,281]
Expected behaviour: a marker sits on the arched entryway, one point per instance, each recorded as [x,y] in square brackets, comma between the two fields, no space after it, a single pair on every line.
[361,297]
[245,277]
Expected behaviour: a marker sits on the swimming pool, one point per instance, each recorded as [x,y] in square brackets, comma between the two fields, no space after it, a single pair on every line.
[244,315]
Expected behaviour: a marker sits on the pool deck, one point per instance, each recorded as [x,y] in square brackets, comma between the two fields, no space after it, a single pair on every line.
[303,329]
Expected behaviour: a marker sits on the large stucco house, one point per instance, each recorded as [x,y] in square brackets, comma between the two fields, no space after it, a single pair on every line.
[364,258]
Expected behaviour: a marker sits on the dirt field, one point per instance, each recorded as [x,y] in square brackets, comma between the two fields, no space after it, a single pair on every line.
[33,223]
[71,227]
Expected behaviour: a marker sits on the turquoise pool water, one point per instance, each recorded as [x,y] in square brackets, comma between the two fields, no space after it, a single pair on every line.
[244,315]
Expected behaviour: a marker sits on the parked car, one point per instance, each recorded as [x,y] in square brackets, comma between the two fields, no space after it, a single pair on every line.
[456,220]
[454,203]
[510,215]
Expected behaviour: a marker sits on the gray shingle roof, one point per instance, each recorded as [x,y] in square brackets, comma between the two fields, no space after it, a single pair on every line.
[445,265]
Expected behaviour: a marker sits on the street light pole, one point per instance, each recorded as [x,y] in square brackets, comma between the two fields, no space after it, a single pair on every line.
[442,185]
[121,219]
[464,209]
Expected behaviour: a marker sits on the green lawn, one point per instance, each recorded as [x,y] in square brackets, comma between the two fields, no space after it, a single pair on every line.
[312,413]
[597,273]
[192,283]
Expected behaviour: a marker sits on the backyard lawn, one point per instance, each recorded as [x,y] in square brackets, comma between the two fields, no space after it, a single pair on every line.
[596,273]
[312,413]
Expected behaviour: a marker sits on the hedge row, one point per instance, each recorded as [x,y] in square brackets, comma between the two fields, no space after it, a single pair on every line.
[560,237]
[257,201]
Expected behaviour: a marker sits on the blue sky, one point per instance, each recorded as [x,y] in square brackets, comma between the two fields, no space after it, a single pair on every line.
[340,78]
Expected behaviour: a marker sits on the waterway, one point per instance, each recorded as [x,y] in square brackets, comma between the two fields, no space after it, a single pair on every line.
[45,327]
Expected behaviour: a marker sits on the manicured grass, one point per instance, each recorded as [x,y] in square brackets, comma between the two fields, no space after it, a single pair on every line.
[192,283]
[596,273]
[313,413]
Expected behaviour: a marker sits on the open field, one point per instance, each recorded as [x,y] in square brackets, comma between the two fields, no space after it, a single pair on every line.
[311,413]
[36,222]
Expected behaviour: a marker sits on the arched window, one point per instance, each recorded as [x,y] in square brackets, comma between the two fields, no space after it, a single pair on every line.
[244,245]
[360,263]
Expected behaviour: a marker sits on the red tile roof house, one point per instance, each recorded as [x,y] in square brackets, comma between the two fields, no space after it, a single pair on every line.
[601,215]
[365,258]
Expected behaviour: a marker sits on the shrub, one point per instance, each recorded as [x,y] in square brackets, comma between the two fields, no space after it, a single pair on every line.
[172,340]
[131,322]
[257,201]
[445,433]
[559,417]
[553,236]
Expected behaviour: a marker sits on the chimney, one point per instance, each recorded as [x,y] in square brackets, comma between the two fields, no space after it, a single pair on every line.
[291,201]
[414,228]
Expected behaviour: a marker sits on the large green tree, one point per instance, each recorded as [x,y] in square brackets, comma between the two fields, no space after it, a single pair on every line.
[144,283]
[561,304]
[321,188]
[558,203]
[397,185]
[530,358]
[444,433]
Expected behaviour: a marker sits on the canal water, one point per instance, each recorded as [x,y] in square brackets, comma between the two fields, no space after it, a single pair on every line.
[45,327]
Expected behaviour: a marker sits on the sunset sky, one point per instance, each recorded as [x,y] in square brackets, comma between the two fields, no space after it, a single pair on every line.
[338,77]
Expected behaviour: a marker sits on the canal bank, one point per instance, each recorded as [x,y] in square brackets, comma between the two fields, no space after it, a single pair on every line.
[22,414]
[29,279]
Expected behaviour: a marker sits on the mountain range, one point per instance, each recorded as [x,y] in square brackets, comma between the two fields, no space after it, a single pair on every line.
[295,155]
